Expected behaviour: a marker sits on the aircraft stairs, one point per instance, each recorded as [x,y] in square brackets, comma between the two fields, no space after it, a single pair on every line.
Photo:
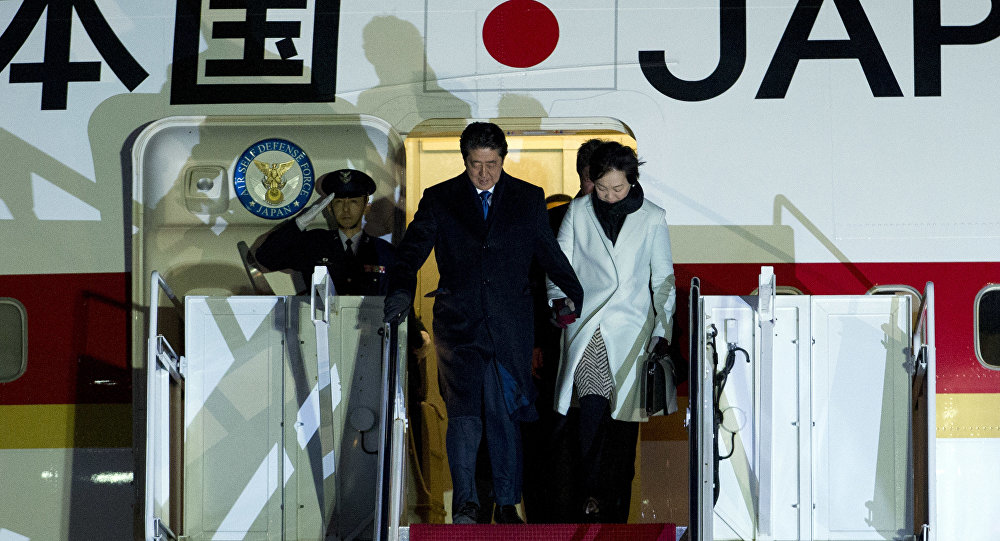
[542,532]
[285,418]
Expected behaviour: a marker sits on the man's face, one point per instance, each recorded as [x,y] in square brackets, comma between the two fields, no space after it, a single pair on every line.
[483,165]
[348,211]
[586,184]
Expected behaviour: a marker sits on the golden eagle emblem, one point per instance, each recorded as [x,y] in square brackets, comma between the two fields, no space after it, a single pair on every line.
[274,180]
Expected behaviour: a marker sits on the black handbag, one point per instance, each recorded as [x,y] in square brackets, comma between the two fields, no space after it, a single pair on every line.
[658,390]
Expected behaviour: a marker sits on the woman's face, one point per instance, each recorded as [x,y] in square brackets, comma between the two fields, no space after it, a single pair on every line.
[612,187]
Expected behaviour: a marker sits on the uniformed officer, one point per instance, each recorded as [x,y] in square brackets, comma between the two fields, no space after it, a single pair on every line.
[357,261]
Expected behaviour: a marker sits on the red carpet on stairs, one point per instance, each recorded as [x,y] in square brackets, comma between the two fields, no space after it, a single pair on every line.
[543,532]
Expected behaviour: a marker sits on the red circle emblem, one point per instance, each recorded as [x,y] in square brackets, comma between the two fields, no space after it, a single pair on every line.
[520,33]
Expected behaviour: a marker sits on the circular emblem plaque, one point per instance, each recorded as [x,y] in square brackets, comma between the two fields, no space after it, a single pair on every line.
[274,178]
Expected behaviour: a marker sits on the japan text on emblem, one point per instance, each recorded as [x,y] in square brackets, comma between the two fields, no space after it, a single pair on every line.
[274,178]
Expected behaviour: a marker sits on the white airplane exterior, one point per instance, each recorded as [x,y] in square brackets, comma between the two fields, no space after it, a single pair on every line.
[847,144]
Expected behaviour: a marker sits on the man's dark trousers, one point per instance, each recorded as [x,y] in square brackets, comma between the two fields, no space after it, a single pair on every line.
[483,304]
[503,439]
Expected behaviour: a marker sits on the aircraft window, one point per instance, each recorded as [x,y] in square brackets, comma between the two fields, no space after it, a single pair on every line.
[987,326]
[901,289]
[13,339]
[895,290]
[781,290]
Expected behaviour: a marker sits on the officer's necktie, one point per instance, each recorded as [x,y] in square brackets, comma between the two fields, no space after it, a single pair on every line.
[350,249]
[485,196]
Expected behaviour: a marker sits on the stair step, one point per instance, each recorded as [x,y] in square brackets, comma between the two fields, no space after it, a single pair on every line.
[543,532]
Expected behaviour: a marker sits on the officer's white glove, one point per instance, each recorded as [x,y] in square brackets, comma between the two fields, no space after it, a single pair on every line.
[308,215]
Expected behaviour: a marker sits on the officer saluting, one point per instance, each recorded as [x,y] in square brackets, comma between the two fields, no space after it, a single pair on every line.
[357,261]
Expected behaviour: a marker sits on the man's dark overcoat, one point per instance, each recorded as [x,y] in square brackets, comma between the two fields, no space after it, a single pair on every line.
[483,302]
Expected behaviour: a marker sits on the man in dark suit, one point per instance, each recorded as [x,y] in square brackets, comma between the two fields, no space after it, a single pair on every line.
[485,228]
[358,263]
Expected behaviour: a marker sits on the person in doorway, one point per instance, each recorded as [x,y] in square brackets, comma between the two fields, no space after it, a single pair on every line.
[583,155]
[358,263]
[618,243]
[549,463]
[485,228]
[557,210]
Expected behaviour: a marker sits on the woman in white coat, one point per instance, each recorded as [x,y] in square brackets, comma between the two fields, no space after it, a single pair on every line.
[618,244]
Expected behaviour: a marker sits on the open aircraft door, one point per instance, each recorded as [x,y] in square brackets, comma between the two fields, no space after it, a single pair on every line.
[249,433]
[811,417]
[278,419]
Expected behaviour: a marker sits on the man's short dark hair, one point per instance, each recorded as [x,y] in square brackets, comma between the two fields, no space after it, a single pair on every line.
[612,155]
[483,135]
[584,152]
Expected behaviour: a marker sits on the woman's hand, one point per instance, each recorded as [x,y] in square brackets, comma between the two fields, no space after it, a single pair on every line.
[563,312]
[658,345]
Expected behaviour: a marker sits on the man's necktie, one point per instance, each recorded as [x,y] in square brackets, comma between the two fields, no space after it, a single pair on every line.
[350,249]
[485,196]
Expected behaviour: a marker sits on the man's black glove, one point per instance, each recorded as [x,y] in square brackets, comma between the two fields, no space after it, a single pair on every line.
[396,306]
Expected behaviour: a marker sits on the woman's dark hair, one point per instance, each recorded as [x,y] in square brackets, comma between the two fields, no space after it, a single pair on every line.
[612,155]
[483,135]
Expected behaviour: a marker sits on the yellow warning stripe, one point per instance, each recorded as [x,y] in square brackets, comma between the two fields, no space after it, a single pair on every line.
[959,415]
[968,415]
[57,426]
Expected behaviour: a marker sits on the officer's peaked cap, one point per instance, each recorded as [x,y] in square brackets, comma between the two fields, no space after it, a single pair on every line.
[347,183]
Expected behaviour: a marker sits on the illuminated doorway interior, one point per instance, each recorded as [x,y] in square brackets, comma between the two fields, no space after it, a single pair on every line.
[542,151]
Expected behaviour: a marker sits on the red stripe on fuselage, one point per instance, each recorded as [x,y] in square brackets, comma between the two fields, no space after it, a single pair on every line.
[79,332]
[955,286]
[78,336]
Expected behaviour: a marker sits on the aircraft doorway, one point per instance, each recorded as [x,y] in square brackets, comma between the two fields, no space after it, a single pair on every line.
[542,151]
[251,432]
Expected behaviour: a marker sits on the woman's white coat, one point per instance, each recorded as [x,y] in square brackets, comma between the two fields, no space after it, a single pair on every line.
[628,292]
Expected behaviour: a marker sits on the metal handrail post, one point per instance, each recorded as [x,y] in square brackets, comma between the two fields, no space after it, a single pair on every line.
[925,329]
[390,360]
[699,389]
[154,527]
